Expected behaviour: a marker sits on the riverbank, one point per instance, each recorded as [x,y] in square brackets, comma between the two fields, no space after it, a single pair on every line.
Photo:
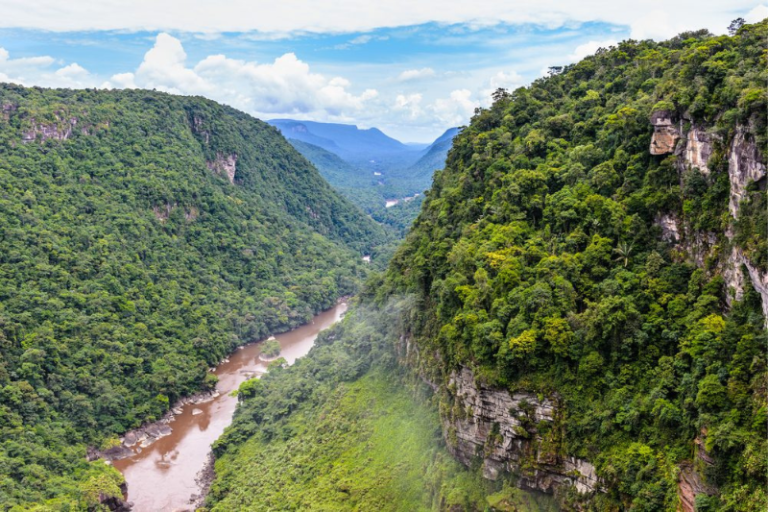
[167,464]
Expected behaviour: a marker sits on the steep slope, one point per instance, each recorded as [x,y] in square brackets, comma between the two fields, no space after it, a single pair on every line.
[590,278]
[144,237]
[338,172]
[433,158]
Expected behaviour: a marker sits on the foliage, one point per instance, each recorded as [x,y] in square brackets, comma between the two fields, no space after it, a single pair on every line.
[129,264]
[537,260]
[271,348]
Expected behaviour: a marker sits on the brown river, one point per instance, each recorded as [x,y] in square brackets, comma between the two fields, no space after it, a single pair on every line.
[162,476]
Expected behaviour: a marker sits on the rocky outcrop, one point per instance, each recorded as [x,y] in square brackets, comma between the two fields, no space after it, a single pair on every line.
[199,129]
[734,277]
[670,228]
[116,503]
[745,165]
[224,164]
[163,212]
[665,133]
[698,149]
[689,485]
[61,130]
[503,431]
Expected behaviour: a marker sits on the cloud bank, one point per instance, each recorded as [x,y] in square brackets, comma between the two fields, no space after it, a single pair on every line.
[327,16]
[285,87]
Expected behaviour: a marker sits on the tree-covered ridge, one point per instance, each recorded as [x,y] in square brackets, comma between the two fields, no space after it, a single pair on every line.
[367,191]
[143,237]
[539,262]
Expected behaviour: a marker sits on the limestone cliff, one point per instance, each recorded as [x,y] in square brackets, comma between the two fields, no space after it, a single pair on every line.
[505,433]
[693,149]
[510,433]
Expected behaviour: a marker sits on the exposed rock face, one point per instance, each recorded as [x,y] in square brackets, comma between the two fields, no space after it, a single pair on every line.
[163,212]
[744,166]
[501,429]
[670,230]
[224,164]
[198,129]
[734,277]
[689,485]
[698,149]
[665,133]
[55,131]
[116,504]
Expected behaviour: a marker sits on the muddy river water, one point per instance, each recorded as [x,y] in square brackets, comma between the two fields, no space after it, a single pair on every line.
[162,476]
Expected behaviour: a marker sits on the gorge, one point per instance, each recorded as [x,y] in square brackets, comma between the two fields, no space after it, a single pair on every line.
[572,317]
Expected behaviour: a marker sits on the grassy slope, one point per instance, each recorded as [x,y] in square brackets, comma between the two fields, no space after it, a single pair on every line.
[373,445]
[346,429]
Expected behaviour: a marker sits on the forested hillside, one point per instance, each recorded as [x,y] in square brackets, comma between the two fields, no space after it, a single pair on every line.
[584,290]
[346,428]
[368,191]
[594,254]
[143,237]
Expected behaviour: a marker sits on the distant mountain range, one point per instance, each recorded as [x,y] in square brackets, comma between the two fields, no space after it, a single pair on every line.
[369,167]
[343,139]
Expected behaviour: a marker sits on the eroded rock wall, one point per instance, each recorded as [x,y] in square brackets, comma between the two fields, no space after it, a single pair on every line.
[510,433]
[224,164]
[694,149]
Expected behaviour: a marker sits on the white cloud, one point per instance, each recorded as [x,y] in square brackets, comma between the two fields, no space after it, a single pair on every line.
[501,80]
[589,48]
[334,16]
[164,68]
[286,86]
[415,74]
[759,13]
[456,109]
[660,24]
[39,71]
[411,104]
[121,81]
[360,40]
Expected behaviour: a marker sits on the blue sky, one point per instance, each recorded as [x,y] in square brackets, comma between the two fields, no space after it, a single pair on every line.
[411,74]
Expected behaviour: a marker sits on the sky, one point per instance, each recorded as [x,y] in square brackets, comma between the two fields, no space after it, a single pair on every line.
[410,68]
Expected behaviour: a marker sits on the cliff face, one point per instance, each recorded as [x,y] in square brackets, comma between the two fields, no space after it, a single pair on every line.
[746,165]
[510,433]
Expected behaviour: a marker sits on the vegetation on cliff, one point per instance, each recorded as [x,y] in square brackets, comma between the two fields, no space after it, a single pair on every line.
[538,261]
[143,237]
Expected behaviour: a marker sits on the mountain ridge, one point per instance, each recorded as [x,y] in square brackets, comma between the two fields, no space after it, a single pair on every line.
[145,236]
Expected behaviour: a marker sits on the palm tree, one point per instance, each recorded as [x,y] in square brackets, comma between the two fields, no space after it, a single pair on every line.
[624,250]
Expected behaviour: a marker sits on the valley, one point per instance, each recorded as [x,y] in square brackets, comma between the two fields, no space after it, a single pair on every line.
[562,305]
[376,172]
